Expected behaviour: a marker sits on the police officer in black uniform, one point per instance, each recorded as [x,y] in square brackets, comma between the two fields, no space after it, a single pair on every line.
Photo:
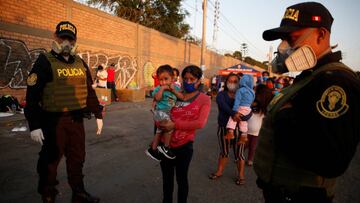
[58,94]
[311,130]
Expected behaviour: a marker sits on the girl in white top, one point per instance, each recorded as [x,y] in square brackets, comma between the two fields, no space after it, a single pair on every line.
[263,96]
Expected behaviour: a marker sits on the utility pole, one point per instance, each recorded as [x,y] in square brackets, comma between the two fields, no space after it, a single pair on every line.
[203,43]
[216,26]
[244,50]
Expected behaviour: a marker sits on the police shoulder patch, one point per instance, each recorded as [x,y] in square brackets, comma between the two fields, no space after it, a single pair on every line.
[332,103]
[32,79]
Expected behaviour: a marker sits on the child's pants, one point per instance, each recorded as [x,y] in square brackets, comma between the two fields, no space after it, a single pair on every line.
[243,125]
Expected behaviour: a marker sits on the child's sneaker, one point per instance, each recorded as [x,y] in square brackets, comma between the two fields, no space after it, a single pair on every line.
[166,152]
[154,154]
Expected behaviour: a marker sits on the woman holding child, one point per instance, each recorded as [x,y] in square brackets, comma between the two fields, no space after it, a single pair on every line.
[225,100]
[189,114]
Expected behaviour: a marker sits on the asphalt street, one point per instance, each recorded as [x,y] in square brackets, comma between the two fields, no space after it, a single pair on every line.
[117,169]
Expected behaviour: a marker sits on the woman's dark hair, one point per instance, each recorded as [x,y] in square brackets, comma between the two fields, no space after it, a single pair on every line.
[227,78]
[263,96]
[100,67]
[193,70]
[265,72]
[165,68]
[176,71]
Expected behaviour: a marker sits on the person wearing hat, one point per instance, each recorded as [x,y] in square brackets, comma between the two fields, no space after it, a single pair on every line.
[59,92]
[311,130]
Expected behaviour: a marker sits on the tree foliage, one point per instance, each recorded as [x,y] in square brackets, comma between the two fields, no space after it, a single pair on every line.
[254,62]
[166,16]
[237,55]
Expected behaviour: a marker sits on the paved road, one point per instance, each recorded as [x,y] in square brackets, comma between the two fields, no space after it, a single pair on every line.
[117,170]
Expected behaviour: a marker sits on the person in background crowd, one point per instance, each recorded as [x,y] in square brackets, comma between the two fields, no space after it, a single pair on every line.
[59,90]
[225,101]
[265,76]
[244,97]
[311,130]
[214,82]
[279,84]
[177,77]
[270,84]
[263,96]
[101,77]
[111,81]
[156,79]
[187,116]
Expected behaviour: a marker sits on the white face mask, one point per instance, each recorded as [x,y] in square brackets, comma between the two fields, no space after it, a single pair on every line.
[294,59]
[232,87]
[64,48]
[301,59]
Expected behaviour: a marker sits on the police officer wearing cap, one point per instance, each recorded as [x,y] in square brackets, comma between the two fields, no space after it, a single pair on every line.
[58,93]
[311,130]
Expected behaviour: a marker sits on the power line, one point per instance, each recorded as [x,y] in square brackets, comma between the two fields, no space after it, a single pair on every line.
[236,30]
[233,30]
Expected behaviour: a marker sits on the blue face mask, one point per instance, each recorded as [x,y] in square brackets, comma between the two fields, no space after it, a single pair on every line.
[189,87]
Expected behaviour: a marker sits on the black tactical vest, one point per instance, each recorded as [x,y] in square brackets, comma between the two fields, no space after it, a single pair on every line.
[68,89]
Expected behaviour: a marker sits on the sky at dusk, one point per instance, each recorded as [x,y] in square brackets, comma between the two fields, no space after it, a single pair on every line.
[243,21]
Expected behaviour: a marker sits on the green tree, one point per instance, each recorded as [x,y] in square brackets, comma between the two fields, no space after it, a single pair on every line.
[237,55]
[166,16]
[254,62]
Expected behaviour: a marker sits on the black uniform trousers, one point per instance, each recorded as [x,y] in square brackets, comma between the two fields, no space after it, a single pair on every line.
[64,136]
[181,165]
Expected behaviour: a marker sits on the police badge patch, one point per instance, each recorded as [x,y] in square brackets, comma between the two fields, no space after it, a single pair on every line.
[332,103]
[31,80]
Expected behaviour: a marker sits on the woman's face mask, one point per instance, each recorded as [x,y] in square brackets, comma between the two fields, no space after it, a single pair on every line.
[232,87]
[189,87]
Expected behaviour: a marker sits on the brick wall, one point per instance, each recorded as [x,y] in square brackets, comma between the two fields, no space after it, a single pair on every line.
[27,26]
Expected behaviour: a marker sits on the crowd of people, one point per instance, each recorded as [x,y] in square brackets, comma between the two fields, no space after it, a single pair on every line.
[274,118]
[105,78]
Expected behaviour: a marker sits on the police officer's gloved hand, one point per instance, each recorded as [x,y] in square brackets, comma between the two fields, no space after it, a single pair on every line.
[37,135]
[99,123]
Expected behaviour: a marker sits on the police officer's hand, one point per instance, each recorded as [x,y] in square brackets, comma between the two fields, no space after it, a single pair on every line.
[37,135]
[99,123]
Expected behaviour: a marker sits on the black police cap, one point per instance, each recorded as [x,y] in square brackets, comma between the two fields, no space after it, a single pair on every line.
[298,16]
[66,29]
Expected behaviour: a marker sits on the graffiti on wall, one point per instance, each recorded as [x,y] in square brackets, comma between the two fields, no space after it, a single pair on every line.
[148,71]
[16,61]
[125,66]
